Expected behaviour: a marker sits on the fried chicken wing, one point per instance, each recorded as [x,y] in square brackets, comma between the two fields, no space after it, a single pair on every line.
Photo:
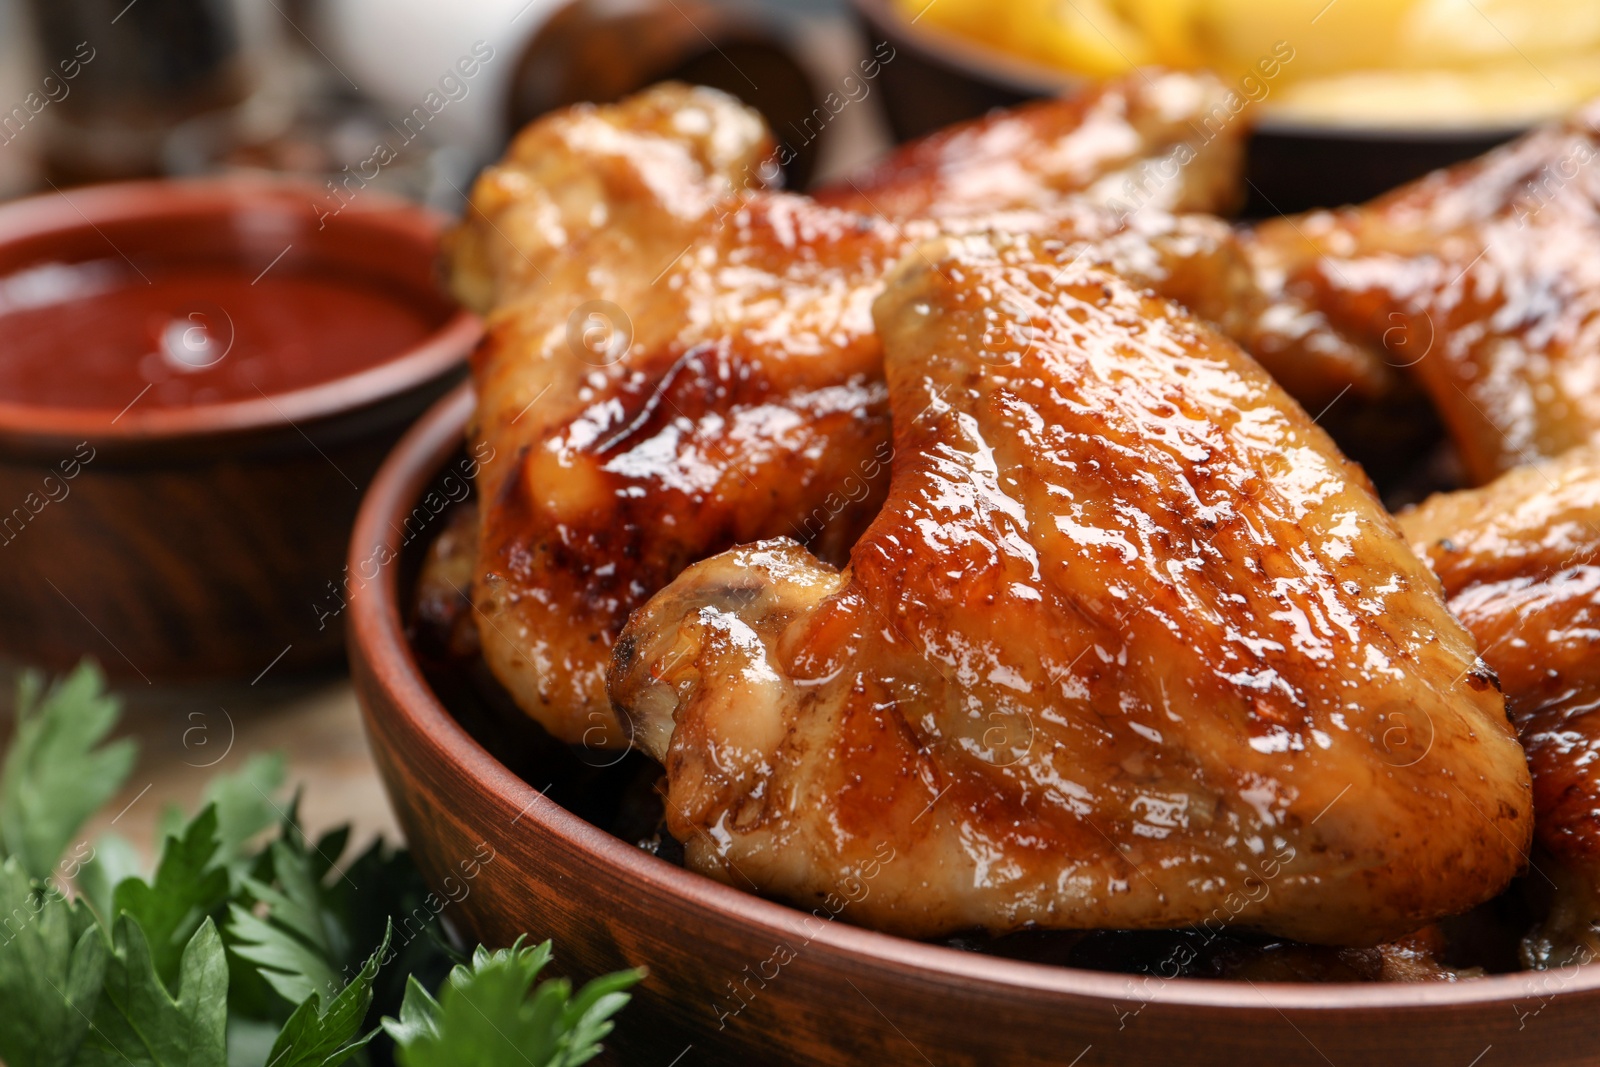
[749,402]
[584,194]
[675,366]
[1481,281]
[1129,645]
[1520,562]
[1146,144]
[1150,139]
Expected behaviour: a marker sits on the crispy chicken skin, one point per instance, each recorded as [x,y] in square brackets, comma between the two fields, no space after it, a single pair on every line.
[1150,139]
[1146,144]
[1520,562]
[589,202]
[675,364]
[1483,283]
[750,403]
[1130,645]
[584,192]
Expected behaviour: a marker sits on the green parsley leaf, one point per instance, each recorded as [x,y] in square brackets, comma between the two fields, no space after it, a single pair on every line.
[115,860]
[418,1025]
[325,1038]
[52,963]
[293,968]
[245,805]
[588,1016]
[138,1023]
[301,944]
[187,888]
[391,888]
[135,973]
[485,1017]
[298,901]
[54,776]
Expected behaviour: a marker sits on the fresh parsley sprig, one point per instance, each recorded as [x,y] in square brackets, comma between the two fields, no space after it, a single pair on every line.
[248,945]
[57,772]
[552,1027]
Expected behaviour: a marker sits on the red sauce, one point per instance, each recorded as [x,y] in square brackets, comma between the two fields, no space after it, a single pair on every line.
[98,335]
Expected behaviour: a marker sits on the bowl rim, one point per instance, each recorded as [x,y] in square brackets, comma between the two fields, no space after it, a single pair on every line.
[377,633]
[1030,78]
[94,205]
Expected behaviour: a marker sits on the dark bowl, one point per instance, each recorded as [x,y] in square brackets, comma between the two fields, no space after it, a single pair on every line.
[936,79]
[737,979]
[207,540]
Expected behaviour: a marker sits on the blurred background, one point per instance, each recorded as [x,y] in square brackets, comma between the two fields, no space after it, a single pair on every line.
[98,90]
[94,90]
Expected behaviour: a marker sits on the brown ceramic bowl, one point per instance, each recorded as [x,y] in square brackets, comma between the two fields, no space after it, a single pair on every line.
[936,79]
[207,540]
[516,857]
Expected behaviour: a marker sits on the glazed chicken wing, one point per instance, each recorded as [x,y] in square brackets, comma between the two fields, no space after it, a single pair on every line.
[674,366]
[589,198]
[1143,145]
[1520,562]
[1482,282]
[1150,139]
[1130,644]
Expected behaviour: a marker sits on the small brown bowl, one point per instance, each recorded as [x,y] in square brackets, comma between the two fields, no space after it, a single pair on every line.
[937,78]
[207,540]
[741,980]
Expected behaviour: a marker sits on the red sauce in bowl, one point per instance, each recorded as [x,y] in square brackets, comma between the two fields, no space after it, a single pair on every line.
[100,335]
